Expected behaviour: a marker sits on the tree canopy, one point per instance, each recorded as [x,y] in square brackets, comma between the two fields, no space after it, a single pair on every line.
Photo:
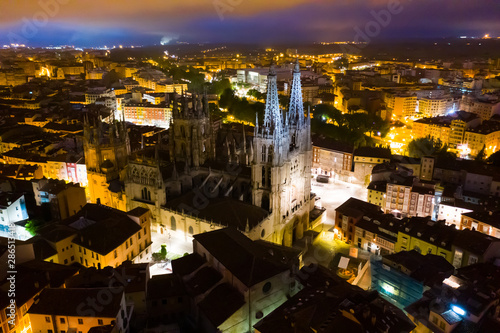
[494,158]
[428,146]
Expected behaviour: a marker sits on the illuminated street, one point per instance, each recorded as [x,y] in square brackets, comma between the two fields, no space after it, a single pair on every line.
[334,194]
[177,243]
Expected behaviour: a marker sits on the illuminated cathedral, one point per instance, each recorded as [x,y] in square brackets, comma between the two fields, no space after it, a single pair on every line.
[203,177]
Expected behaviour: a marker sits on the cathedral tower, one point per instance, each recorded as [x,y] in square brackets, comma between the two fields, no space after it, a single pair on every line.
[281,166]
[106,148]
[191,138]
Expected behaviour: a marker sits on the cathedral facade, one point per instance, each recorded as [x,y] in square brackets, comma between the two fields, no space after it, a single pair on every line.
[202,178]
[106,149]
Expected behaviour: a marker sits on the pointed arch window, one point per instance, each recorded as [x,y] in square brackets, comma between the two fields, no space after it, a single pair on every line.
[135,176]
[263,176]
[183,132]
[173,224]
[146,194]
[270,154]
[263,153]
[152,178]
[269,177]
[183,149]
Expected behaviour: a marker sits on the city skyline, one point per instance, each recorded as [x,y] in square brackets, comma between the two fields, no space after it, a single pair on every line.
[87,24]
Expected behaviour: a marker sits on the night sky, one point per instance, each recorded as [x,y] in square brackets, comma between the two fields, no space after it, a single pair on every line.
[145,22]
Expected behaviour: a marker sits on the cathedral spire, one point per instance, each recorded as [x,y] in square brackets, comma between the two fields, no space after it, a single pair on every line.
[244,140]
[273,120]
[296,109]
[256,128]
[175,106]
[206,108]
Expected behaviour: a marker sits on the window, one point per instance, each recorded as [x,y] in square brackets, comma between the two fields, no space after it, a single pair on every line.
[144,231]
[99,321]
[80,321]
[65,261]
[472,260]
[116,254]
[173,224]
[97,256]
[130,241]
[62,320]
[267,287]
[190,230]
[47,319]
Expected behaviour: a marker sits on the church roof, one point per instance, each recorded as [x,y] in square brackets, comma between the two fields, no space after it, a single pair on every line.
[249,261]
[225,211]
[221,303]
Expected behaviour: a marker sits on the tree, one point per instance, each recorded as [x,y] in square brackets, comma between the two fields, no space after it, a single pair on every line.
[32,226]
[421,147]
[326,111]
[428,146]
[255,94]
[227,98]
[341,63]
[219,86]
[481,156]
[495,158]
[163,251]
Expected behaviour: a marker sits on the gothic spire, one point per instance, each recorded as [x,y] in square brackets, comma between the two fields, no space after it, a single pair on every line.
[296,109]
[205,102]
[175,107]
[273,121]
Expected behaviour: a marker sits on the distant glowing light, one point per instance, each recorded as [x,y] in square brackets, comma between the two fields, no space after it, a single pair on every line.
[458,310]
[389,289]
[451,283]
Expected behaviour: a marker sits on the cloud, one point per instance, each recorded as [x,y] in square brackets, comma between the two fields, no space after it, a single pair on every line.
[245,20]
